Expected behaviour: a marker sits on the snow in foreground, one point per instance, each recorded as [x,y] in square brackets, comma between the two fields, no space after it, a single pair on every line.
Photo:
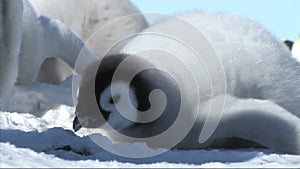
[27,140]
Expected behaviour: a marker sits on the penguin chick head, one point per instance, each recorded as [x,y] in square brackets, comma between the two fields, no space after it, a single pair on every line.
[115,101]
[122,93]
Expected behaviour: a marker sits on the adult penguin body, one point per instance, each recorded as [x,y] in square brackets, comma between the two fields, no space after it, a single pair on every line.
[261,102]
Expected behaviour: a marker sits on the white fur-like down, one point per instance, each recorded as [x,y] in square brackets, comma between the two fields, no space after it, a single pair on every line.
[116,120]
[45,37]
[251,56]
[257,66]
[91,20]
[87,17]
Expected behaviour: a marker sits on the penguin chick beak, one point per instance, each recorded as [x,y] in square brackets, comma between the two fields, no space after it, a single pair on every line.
[76,124]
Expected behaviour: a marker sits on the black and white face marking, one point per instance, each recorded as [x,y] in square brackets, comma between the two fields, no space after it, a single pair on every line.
[138,91]
[109,104]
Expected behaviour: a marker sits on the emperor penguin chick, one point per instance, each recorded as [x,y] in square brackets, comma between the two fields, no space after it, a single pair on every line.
[261,102]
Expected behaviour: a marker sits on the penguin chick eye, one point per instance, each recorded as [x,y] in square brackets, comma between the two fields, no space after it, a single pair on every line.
[114,99]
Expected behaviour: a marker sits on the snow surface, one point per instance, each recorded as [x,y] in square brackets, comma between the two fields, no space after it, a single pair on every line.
[43,137]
